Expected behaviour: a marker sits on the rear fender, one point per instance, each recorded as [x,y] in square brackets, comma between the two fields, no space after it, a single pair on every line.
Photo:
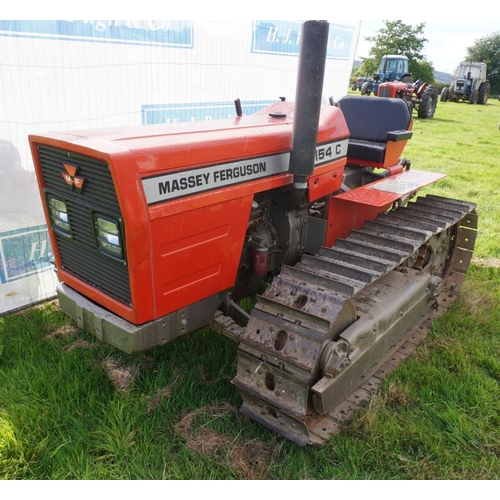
[421,89]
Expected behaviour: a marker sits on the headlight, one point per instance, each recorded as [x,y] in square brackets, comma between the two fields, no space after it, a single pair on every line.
[59,216]
[109,236]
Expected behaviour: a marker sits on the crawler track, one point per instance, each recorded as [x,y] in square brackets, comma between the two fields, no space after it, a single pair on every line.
[327,331]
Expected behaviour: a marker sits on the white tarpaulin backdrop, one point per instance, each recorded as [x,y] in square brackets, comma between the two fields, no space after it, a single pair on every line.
[74,74]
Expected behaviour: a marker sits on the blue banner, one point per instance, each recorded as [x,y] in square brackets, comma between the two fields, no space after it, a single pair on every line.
[156,32]
[190,112]
[283,38]
[24,252]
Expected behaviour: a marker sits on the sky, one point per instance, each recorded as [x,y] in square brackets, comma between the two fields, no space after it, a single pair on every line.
[447,40]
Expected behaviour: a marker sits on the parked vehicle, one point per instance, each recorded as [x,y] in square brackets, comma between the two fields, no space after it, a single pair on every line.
[420,96]
[358,84]
[469,83]
[391,67]
[394,80]
[159,232]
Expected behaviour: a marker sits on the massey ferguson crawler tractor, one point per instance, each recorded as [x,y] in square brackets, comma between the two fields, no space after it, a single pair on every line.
[159,230]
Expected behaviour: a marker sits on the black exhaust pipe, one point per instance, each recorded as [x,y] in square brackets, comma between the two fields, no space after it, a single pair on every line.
[311,73]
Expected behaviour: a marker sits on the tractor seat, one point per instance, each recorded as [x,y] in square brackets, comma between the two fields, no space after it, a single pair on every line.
[379,129]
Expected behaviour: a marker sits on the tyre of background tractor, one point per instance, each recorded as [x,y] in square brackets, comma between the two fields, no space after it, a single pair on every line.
[428,102]
[484,93]
[366,88]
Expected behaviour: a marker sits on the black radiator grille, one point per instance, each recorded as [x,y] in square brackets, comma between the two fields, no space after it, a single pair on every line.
[98,185]
[384,92]
[79,254]
[104,273]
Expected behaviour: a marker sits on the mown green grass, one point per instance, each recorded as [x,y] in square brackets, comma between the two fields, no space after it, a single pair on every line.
[73,408]
[463,141]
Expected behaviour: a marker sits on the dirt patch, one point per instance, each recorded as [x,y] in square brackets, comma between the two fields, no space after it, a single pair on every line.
[161,394]
[78,344]
[486,262]
[250,459]
[65,330]
[477,301]
[121,376]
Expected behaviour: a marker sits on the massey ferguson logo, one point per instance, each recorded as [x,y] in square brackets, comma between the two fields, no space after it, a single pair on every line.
[69,176]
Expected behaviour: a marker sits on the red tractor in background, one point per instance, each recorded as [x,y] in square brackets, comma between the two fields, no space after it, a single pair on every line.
[393,79]
[420,96]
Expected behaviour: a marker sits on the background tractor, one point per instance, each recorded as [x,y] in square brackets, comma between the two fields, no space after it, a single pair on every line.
[394,80]
[420,96]
[469,84]
[358,83]
[391,67]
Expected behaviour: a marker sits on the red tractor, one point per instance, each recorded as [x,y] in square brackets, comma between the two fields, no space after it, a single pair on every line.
[420,96]
[394,80]
[158,231]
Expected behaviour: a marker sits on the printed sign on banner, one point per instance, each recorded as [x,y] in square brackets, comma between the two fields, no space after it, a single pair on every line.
[82,74]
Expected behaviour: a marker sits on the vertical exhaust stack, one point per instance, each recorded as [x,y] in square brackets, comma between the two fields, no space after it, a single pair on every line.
[311,73]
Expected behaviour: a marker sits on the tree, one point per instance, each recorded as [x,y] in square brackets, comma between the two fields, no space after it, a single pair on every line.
[399,38]
[487,50]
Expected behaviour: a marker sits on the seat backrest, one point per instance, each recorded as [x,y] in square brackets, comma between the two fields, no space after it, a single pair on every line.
[370,118]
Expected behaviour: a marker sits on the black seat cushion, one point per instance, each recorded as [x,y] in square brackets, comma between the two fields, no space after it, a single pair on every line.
[371,118]
[366,150]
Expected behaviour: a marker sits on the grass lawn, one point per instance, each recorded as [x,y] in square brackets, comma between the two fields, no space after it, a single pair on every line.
[73,408]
